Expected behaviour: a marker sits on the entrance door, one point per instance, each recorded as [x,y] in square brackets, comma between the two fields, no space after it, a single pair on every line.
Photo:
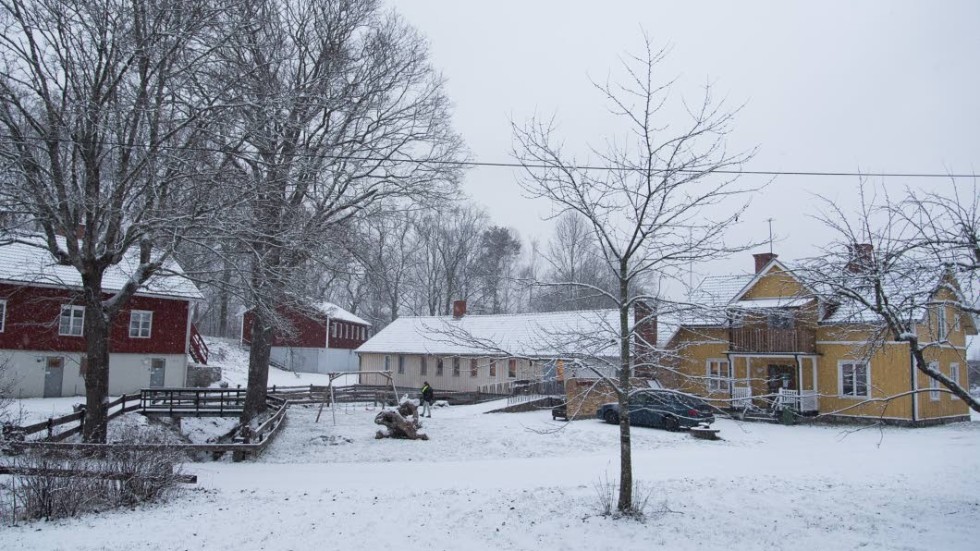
[54,374]
[781,376]
[158,372]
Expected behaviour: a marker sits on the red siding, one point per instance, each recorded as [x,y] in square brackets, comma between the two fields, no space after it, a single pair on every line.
[33,313]
[309,331]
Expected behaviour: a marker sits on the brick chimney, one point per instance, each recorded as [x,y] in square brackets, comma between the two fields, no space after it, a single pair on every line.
[459,309]
[645,319]
[862,257]
[763,259]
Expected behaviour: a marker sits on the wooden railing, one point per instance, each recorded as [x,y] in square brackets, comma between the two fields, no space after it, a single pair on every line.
[117,407]
[764,340]
[199,349]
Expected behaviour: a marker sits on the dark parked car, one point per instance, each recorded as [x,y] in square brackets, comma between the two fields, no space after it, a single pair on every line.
[662,409]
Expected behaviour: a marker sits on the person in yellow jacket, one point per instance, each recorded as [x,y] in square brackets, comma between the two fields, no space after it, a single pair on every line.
[427,396]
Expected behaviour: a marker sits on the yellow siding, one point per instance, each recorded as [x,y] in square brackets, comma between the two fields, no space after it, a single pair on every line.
[889,376]
[775,284]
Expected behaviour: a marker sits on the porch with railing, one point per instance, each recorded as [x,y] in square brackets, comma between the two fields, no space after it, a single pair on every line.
[767,340]
[800,401]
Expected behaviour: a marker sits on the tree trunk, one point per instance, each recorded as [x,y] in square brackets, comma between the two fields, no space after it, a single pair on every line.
[96,333]
[625,448]
[258,366]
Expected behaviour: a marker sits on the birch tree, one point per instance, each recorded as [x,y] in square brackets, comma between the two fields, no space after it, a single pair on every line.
[650,201]
[101,117]
[339,110]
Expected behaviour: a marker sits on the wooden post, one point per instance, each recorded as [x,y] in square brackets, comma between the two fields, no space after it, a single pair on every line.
[50,427]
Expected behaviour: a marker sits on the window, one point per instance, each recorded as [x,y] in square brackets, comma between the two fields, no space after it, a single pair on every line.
[455,367]
[493,368]
[954,374]
[401,364]
[72,321]
[3,315]
[388,363]
[333,330]
[956,321]
[719,376]
[473,370]
[82,365]
[423,366]
[855,379]
[941,322]
[933,384]
[439,367]
[780,319]
[140,322]
[512,369]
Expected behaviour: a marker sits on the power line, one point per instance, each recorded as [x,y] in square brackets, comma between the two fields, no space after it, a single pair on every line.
[504,164]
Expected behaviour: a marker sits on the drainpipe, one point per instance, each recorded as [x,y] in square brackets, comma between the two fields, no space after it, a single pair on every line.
[915,385]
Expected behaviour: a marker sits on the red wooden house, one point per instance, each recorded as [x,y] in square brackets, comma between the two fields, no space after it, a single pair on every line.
[321,339]
[42,344]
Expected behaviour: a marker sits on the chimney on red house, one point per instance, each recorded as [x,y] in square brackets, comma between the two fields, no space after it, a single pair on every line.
[459,309]
[862,257]
[763,259]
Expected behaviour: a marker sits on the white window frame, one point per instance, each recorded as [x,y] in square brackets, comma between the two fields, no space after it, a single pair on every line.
[956,321]
[137,316]
[387,364]
[954,374]
[72,319]
[942,328]
[934,393]
[3,315]
[333,330]
[401,364]
[512,374]
[717,380]
[423,366]
[854,365]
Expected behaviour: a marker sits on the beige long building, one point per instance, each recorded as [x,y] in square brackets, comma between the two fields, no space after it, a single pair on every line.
[489,352]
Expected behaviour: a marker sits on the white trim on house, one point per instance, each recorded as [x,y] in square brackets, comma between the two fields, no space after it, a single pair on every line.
[867,379]
[3,315]
[762,273]
[144,320]
[954,376]
[70,329]
[718,382]
[934,394]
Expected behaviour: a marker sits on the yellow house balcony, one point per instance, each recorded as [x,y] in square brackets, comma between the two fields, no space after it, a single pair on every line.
[754,340]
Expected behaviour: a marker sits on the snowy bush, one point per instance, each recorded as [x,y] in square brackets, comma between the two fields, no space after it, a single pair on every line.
[51,490]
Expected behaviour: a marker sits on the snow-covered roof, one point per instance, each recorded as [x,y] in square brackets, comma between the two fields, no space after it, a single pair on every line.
[26,261]
[333,311]
[763,303]
[553,334]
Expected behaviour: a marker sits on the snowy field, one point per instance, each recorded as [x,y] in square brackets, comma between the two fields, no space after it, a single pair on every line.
[522,481]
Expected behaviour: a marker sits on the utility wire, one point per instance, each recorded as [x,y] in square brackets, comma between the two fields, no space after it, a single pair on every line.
[502,164]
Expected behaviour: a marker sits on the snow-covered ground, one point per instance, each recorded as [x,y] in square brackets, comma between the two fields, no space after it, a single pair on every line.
[233,359]
[523,481]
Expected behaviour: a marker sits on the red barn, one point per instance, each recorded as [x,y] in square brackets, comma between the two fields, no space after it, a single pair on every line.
[322,338]
[42,344]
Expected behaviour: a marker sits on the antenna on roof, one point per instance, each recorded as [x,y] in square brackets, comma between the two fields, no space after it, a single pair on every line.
[770,234]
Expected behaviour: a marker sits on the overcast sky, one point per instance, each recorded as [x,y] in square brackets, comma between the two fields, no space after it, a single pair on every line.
[880,86]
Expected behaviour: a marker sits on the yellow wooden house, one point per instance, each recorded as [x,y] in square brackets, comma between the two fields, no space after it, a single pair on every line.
[773,343]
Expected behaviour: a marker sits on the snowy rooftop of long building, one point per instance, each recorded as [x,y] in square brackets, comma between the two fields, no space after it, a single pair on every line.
[552,334]
[27,261]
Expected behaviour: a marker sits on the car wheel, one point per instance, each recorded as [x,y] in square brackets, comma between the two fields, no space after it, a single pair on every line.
[671,424]
[611,417]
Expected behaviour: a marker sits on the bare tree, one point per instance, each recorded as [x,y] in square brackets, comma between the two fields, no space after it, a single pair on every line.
[340,109]
[892,266]
[648,201]
[573,256]
[101,117]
